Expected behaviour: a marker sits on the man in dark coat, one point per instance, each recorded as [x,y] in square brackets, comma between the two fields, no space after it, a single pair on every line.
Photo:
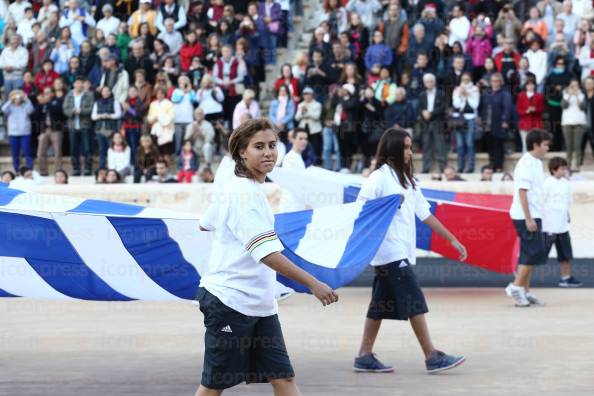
[431,116]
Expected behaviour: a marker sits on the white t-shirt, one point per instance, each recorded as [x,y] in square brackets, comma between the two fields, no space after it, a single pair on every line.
[290,202]
[293,160]
[244,235]
[528,175]
[400,241]
[557,201]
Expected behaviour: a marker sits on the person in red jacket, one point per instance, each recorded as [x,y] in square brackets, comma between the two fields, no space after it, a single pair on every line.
[46,76]
[286,78]
[530,106]
[189,50]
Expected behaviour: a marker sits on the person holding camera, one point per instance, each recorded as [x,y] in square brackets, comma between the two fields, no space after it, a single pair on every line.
[13,62]
[51,120]
[309,115]
[18,110]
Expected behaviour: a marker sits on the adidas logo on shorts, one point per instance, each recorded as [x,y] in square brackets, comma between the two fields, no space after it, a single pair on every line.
[227,329]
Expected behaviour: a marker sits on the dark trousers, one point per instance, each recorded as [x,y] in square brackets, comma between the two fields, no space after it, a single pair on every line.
[148,174]
[496,152]
[554,126]
[80,144]
[133,139]
[16,144]
[103,143]
[587,137]
[317,145]
[433,145]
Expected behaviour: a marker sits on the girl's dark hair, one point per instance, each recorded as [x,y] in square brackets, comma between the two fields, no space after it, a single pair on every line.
[240,139]
[390,151]
[555,163]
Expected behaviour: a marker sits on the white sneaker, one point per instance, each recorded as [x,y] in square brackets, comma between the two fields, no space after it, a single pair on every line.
[518,294]
[533,300]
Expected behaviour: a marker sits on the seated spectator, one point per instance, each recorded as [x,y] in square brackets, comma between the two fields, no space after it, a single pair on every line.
[487,173]
[160,116]
[162,174]
[187,163]
[247,105]
[530,107]
[309,117]
[113,177]
[101,175]
[144,89]
[282,110]
[384,88]
[106,113]
[378,53]
[118,155]
[6,177]
[144,14]
[13,62]
[318,43]
[202,134]
[450,174]
[51,119]
[286,78]
[206,175]
[507,177]
[169,9]
[46,76]
[147,156]
[60,177]
[18,110]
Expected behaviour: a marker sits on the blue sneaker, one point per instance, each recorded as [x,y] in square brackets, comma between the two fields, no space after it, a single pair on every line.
[570,282]
[439,361]
[368,363]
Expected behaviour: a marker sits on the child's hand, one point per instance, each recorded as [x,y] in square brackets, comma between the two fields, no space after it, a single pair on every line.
[461,249]
[324,293]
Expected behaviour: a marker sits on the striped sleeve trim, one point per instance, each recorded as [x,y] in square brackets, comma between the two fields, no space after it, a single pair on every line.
[260,239]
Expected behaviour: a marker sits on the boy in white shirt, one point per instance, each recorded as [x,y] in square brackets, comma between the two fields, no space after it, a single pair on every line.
[555,220]
[526,213]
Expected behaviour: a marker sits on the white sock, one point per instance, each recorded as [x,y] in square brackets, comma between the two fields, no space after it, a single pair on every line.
[566,277]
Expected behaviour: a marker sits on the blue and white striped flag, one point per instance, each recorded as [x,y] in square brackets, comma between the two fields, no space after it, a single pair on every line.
[57,247]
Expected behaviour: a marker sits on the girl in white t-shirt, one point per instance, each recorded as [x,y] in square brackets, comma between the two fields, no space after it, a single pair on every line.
[237,290]
[396,293]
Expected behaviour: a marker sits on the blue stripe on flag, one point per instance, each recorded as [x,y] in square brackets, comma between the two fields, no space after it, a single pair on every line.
[441,195]
[95,206]
[351,193]
[159,256]
[4,293]
[291,227]
[49,252]
[423,231]
[366,238]
[8,194]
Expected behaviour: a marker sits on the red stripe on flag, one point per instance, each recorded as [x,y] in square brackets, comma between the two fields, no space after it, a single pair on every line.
[493,201]
[489,236]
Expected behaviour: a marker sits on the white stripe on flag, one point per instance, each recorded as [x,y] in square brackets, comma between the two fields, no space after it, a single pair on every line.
[102,250]
[17,277]
[194,245]
[327,235]
[43,202]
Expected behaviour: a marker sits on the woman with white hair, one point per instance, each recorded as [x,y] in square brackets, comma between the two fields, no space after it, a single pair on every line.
[211,99]
[183,99]
[108,24]
[248,104]
[465,100]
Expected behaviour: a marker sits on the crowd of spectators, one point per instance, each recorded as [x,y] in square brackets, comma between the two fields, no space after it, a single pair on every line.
[149,86]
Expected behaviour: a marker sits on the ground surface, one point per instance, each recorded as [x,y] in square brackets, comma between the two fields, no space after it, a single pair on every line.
[144,348]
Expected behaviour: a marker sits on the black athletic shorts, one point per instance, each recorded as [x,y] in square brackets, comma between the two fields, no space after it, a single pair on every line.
[532,244]
[396,293]
[240,348]
[562,244]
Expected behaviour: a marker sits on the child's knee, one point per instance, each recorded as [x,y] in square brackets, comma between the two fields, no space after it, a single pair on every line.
[283,382]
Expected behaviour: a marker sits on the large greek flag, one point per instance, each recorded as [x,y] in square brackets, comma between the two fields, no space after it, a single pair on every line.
[68,248]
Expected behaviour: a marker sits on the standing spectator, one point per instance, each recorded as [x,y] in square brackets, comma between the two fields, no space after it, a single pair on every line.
[282,110]
[17,10]
[418,44]
[161,115]
[108,24]
[397,35]
[18,110]
[466,99]
[169,9]
[145,90]
[508,24]
[147,156]
[229,71]
[286,78]
[191,49]
[13,62]
[210,99]
[440,57]
[371,124]
[385,89]
[269,26]
[46,77]
[25,27]
[336,15]
[453,76]
[51,118]
[348,123]
[317,76]
[134,111]
[573,122]
[367,9]
[248,104]
[589,134]
[359,34]
[140,61]
[530,107]
[88,58]
[78,20]
[106,113]
[309,117]
[537,59]
[415,87]
[459,26]
[40,51]
[187,163]
[115,78]
[586,60]
[64,49]
[479,48]
[507,61]
[331,117]
[378,53]
[183,99]
[400,114]
[433,25]
[537,24]
[432,110]
[171,37]
[202,134]
[144,14]
[74,70]
[78,106]
[496,116]
[555,83]
[571,20]
[118,155]
[489,69]
[319,43]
